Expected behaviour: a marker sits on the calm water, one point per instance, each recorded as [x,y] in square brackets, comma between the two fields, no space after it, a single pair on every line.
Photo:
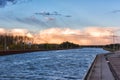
[49,65]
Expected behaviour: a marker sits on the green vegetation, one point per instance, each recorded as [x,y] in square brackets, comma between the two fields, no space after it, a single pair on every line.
[64,45]
[8,43]
[13,42]
[67,45]
[112,47]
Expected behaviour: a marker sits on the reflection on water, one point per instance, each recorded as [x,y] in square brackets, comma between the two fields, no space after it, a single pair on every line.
[48,65]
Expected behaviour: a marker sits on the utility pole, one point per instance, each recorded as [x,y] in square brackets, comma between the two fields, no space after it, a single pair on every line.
[113,37]
[113,41]
[5,42]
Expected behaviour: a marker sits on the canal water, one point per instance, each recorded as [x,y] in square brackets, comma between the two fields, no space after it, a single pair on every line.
[48,65]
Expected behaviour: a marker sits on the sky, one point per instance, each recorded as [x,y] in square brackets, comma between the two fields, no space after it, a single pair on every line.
[71,18]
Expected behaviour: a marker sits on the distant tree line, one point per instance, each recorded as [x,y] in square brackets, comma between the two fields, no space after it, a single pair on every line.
[109,47]
[64,45]
[112,47]
[9,42]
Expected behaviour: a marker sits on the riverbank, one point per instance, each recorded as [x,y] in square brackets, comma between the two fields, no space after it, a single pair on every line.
[103,66]
[99,70]
[12,52]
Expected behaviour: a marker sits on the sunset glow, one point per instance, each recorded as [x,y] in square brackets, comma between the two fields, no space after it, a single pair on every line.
[87,36]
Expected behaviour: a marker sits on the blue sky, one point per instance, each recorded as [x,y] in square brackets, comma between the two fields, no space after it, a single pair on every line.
[84,13]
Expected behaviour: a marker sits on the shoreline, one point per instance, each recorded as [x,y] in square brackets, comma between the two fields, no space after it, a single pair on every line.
[12,52]
[103,66]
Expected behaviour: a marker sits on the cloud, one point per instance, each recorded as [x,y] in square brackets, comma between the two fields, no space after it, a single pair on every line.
[2,31]
[19,32]
[31,21]
[49,18]
[97,31]
[3,3]
[44,13]
[115,11]
[86,36]
[55,13]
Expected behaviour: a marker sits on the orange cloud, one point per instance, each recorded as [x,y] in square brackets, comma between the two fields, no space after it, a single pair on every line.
[2,31]
[87,36]
[18,32]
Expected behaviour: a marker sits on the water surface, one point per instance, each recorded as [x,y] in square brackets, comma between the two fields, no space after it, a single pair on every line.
[48,65]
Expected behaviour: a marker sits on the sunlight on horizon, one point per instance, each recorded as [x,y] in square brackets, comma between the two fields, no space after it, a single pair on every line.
[87,36]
